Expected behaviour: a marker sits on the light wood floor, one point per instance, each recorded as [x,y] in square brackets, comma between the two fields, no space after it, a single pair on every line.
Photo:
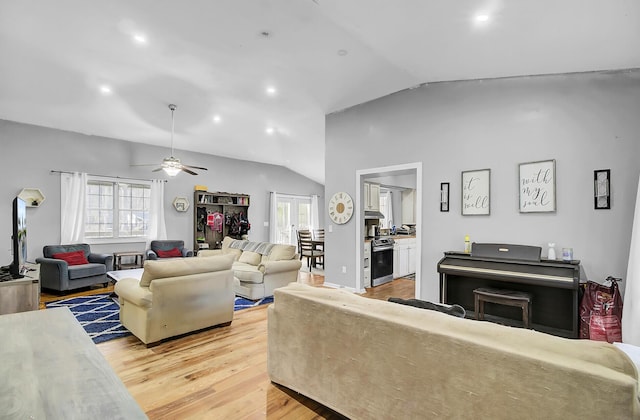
[220,373]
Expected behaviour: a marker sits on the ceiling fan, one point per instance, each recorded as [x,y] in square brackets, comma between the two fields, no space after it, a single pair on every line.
[172,165]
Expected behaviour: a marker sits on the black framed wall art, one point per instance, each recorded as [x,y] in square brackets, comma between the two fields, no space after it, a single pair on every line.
[602,189]
[444,196]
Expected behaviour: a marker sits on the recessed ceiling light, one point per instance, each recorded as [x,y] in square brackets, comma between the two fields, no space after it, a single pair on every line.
[270,130]
[105,90]
[140,39]
[271,90]
[482,18]
[343,52]
[216,119]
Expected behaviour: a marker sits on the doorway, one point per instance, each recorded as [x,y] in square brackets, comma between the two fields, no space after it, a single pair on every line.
[409,169]
[293,214]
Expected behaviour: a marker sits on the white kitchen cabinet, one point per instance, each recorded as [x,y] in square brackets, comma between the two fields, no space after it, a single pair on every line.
[404,257]
[371,196]
[409,207]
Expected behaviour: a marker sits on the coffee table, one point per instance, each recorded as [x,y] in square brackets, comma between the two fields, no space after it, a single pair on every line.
[118,275]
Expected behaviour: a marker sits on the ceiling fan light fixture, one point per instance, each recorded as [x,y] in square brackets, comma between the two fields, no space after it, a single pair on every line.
[171,171]
[171,165]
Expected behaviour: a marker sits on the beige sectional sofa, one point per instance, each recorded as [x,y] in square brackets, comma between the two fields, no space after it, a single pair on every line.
[371,359]
[259,267]
[177,296]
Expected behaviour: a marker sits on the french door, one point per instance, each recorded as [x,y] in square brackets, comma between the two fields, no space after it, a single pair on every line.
[294,213]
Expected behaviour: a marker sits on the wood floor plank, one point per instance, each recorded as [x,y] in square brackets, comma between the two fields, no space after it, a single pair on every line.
[218,373]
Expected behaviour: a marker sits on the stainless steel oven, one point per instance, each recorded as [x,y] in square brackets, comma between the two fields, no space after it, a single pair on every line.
[381,261]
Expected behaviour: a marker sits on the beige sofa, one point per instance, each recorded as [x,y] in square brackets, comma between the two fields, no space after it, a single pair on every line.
[372,359]
[259,267]
[177,296]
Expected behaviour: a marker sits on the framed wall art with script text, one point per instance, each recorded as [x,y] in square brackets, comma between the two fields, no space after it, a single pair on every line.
[537,186]
[476,192]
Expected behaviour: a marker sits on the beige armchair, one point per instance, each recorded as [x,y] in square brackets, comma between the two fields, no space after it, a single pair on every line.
[177,296]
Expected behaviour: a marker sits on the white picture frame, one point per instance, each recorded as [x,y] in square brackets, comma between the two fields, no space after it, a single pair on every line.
[537,186]
[476,192]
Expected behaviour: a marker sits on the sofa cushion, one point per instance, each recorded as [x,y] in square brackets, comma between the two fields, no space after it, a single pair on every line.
[238,243]
[247,273]
[227,241]
[174,252]
[72,258]
[248,257]
[159,269]
[282,252]
[86,270]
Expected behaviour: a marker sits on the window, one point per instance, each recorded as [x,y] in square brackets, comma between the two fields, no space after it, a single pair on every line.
[116,209]
[294,213]
[386,209]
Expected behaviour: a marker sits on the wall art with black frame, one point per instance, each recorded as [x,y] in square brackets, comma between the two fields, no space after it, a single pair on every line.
[602,189]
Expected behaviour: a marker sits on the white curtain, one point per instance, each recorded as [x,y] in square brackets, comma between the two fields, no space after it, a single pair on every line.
[631,307]
[315,216]
[273,218]
[157,226]
[72,204]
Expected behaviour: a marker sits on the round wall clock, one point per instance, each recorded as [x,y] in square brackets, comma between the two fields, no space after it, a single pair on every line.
[340,208]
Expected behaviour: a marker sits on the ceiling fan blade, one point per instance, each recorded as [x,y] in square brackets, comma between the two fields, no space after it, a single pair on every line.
[145,164]
[157,170]
[188,171]
[195,167]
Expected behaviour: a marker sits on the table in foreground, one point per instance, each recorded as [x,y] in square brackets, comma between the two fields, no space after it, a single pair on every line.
[118,275]
[52,370]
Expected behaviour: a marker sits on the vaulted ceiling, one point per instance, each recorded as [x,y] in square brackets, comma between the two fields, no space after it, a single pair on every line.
[254,79]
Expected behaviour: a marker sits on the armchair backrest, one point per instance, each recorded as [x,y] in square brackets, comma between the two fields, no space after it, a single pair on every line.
[155,270]
[49,250]
[166,245]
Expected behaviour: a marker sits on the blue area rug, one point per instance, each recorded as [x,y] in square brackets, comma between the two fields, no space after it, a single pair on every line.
[99,314]
[242,303]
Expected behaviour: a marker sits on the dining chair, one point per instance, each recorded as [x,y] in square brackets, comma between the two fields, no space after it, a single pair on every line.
[318,235]
[303,234]
[314,256]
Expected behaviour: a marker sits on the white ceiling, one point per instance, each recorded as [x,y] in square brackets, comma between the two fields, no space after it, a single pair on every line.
[210,57]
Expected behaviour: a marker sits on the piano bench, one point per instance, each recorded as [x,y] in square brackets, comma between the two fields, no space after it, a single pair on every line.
[503,297]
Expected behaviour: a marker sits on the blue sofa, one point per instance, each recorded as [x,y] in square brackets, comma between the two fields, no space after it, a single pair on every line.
[57,275]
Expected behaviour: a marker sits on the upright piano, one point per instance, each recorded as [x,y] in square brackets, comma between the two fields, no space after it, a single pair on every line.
[554,285]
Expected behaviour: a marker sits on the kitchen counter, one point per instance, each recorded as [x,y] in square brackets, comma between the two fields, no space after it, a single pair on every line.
[400,237]
[394,237]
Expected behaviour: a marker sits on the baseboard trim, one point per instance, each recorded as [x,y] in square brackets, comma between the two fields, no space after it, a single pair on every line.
[340,286]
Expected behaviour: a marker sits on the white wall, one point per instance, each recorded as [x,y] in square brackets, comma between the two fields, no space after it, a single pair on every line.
[30,153]
[584,121]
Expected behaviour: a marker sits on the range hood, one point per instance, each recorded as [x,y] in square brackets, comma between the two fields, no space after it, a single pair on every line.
[368,214]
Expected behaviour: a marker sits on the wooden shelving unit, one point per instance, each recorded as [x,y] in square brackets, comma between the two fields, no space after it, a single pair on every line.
[234,207]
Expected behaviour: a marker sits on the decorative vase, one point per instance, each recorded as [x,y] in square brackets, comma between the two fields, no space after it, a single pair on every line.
[551,254]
